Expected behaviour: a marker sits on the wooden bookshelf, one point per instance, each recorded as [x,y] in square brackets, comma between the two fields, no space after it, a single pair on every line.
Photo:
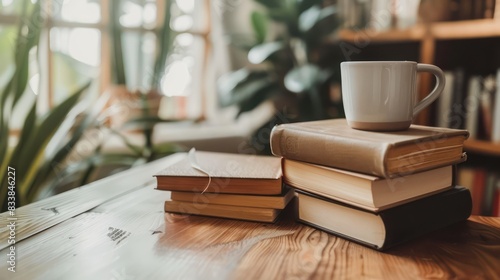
[466,29]
[470,44]
[482,147]
[415,33]
[454,30]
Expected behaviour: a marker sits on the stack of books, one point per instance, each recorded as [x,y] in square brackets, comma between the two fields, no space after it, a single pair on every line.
[245,187]
[375,188]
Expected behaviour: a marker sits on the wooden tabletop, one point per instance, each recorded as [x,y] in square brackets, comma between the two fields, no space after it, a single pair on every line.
[116,229]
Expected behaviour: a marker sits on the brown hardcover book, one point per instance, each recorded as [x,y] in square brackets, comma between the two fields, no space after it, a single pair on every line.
[229,173]
[387,228]
[366,191]
[259,201]
[223,211]
[384,154]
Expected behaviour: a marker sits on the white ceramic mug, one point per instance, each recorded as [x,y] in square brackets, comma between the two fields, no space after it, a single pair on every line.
[382,95]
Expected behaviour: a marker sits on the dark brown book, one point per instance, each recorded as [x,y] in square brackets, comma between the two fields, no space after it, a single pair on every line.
[365,191]
[387,228]
[259,201]
[229,173]
[384,154]
[267,215]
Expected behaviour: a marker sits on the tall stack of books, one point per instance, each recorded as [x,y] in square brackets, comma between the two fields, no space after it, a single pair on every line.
[245,187]
[375,188]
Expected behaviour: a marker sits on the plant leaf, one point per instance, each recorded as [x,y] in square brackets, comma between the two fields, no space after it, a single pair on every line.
[246,90]
[116,42]
[229,81]
[259,24]
[166,37]
[306,4]
[303,78]
[34,150]
[308,18]
[261,52]
[270,3]
[258,97]
[312,16]
[230,84]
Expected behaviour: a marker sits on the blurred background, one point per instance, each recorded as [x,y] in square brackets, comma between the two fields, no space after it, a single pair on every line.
[89,88]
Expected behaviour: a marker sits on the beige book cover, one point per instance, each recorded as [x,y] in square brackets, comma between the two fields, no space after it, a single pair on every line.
[385,154]
[223,173]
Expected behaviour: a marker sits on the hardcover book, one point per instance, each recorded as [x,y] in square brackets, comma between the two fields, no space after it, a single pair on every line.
[223,173]
[384,154]
[256,214]
[387,228]
[365,191]
[259,201]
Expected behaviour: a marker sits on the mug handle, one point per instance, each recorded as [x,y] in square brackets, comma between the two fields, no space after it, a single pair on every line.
[440,81]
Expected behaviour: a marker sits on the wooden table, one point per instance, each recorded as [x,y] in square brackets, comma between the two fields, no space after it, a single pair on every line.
[116,229]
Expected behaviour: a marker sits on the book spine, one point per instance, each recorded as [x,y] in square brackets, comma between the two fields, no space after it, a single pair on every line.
[486,107]
[495,133]
[472,106]
[478,190]
[496,200]
[456,118]
[489,194]
[356,155]
[417,218]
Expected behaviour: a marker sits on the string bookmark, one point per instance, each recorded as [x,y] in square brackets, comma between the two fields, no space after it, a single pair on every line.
[195,165]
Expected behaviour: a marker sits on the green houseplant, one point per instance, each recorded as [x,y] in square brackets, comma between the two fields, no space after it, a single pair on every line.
[28,157]
[293,68]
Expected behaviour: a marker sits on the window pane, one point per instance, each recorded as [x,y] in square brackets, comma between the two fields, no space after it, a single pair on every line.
[75,59]
[86,11]
[182,78]
[138,53]
[10,7]
[7,45]
[189,15]
[137,13]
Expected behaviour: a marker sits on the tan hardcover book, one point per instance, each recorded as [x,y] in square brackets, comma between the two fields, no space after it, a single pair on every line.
[229,173]
[384,154]
[259,201]
[366,191]
[389,227]
[223,211]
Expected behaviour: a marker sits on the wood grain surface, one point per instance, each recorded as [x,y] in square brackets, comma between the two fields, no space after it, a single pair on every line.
[130,237]
[43,214]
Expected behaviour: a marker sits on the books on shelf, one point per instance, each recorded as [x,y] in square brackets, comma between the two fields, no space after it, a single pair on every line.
[235,186]
[333,143]
[389,227]
[471,102]
[495,131]
[484,186]
[472,106]
[229,173]
[365,191]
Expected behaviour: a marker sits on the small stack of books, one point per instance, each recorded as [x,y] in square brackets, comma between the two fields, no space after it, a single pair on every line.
[375,188]
[246,187]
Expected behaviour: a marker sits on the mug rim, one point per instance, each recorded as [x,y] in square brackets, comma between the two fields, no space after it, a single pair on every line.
[380,61]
